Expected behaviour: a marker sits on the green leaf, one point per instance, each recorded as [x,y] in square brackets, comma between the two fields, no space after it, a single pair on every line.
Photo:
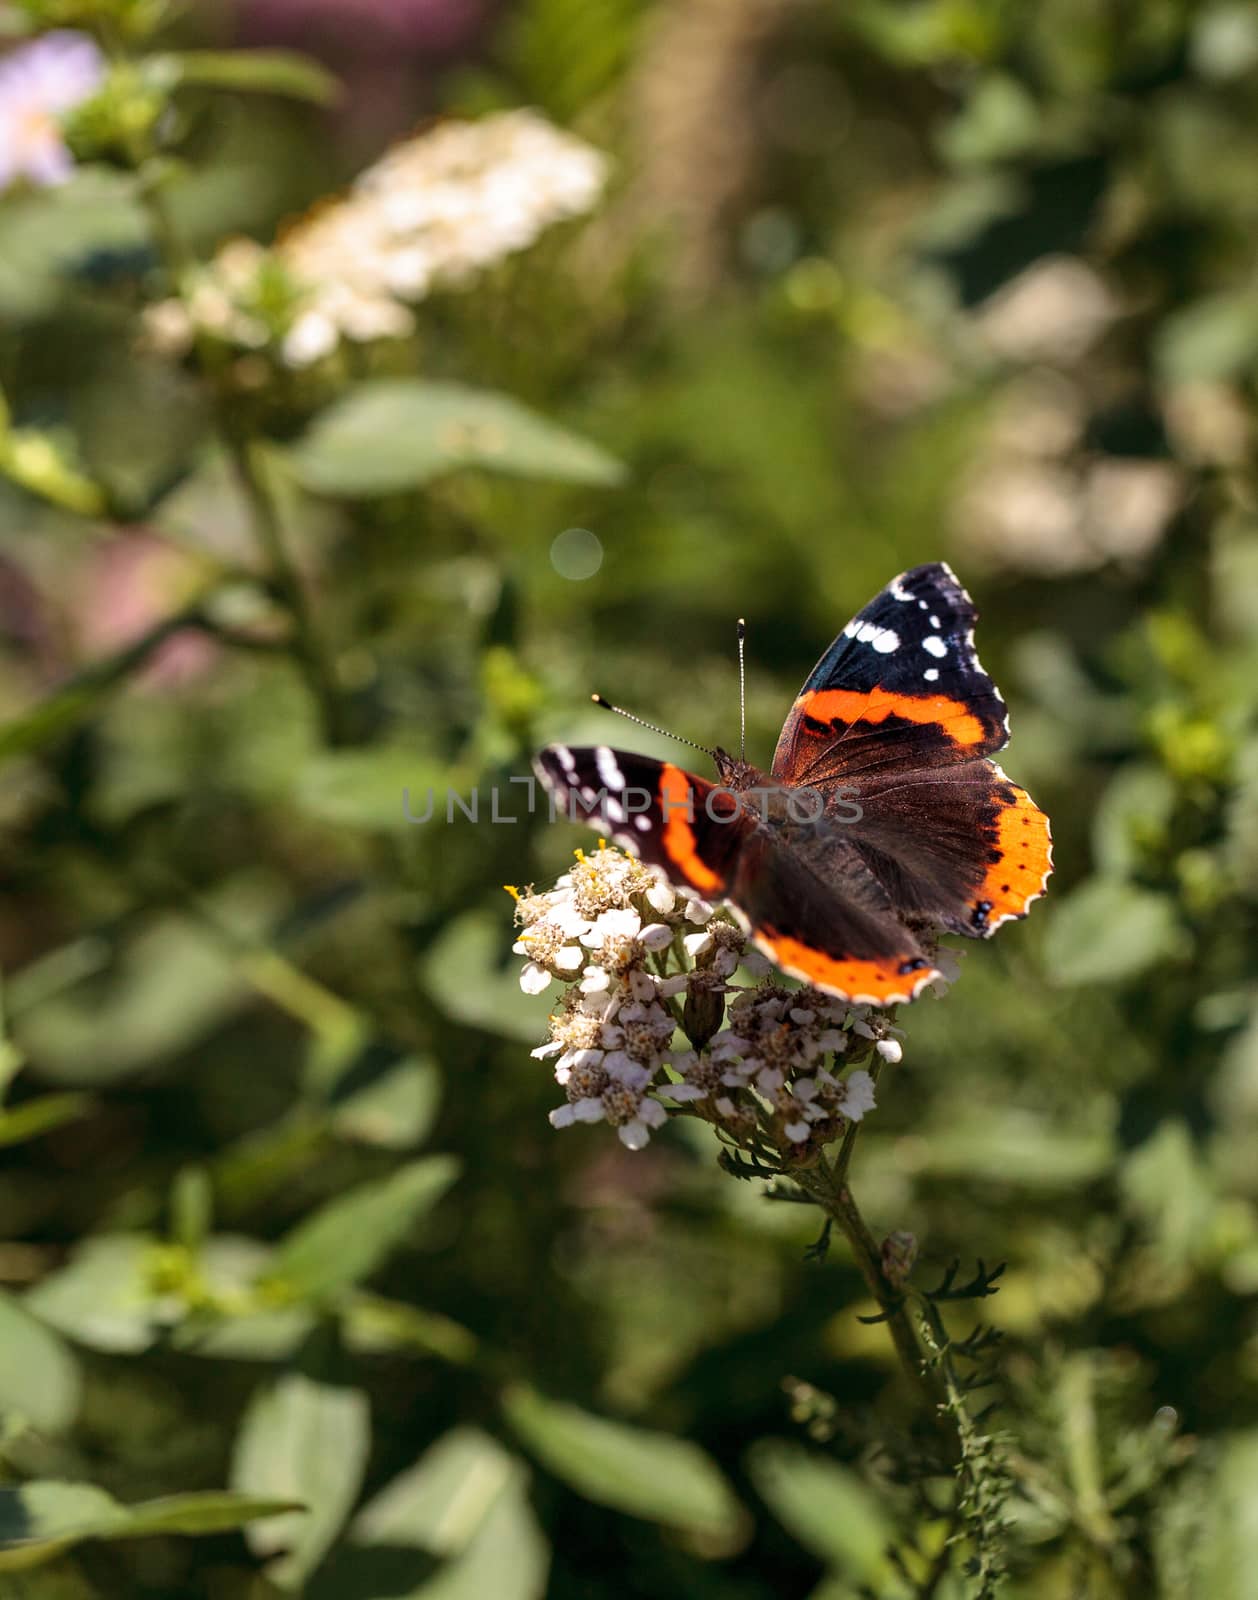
[508,1558]
[347,1239]
[649,1475]
[1005,1145]
[1132,817]
[1107,931]
[825,1506]
[1214,338]
[249,71]
[39,1116]
[306,1442]
[43,235]
[1236,1550]
[102,1297]
[1167,1186]
[365,788]
[40,1380]
[43,1518]
[1000,120]
[372,1323]
[170,984]
[396,1111]
[472,977]
[395,434]
[440,1502]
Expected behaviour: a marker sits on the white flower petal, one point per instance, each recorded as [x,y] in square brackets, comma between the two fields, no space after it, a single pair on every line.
[617,925]
[797,1132]
[634,1135]
[533,979]
[641,984]
[890,1050]
[588,1110]
[563,1116]
[652,1113]
[656,936]
[858,1096]
[569,958]
[661,897]
[695,944]
[553,1048]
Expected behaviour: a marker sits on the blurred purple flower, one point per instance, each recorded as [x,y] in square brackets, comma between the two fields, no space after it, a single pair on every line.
[426,27]
[386,53]
[128,585]
[39,81]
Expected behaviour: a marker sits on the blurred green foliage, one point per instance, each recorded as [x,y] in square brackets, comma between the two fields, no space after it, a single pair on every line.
[285,1224]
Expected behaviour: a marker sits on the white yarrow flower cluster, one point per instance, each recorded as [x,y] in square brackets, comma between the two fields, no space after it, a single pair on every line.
[431,213]
[648,973]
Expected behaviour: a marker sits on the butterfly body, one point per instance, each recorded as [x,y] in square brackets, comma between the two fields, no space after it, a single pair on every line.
[882,821]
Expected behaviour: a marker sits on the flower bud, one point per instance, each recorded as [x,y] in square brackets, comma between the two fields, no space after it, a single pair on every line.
[899,1252]
[702,1015]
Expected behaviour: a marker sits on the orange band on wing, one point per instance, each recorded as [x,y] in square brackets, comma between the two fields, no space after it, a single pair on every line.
[1026,861]
[677,799]
[850,706]
[875,983]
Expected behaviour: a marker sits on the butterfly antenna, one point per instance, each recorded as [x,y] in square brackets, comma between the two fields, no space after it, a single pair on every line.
[652,726]
[742,688]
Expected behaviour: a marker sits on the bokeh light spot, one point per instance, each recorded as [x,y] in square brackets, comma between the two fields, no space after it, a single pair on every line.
[576,553]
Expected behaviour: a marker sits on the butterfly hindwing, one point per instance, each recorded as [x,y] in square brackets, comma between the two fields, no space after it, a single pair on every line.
[814,932]
[959,847]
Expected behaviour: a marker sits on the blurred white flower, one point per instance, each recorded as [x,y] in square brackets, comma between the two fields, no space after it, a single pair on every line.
[1053,311]
[38,83]
[1033,500]
[431,213]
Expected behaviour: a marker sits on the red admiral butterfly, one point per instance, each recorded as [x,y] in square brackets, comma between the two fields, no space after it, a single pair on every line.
[881,822]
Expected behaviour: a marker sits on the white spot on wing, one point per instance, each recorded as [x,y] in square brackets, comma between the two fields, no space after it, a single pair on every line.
[608,769]
[565,758]
[934,621]
[642,822]
[897,589]
[931,674]
[883,640]
[935,647]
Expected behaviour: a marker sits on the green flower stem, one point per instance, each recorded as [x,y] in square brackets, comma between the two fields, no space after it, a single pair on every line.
[308,644]
[834,1197]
